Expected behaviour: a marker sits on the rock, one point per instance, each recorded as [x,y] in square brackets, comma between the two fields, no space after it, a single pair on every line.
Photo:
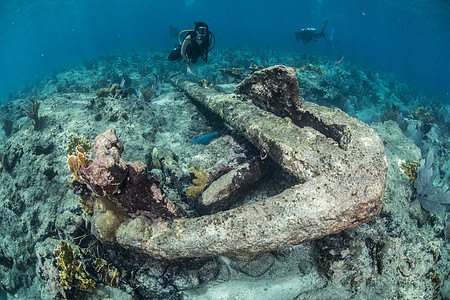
[254,267]
[150,287]
[189,274]
[47,268]
[273,89]
[70,226]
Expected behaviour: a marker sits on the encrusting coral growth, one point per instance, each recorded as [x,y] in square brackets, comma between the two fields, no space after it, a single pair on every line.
[200,182]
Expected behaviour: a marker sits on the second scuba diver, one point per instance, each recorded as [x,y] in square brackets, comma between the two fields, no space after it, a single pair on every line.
[196,43]
[310,34]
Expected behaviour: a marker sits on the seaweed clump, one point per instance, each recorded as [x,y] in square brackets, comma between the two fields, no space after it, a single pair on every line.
[147,94]
[114,91]
[236,72]
[410,169]
[33,112]
[255,67]
[205,84]
[423,114]
[107,272]
[71,269]
[75,141]
[312,68]
[391,114]
[435,278]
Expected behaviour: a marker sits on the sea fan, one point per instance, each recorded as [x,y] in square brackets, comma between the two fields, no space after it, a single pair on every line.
[433,198]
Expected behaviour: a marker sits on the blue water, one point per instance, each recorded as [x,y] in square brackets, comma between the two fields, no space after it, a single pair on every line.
[408,40]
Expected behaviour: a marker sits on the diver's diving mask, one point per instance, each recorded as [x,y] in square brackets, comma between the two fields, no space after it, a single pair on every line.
[201,32]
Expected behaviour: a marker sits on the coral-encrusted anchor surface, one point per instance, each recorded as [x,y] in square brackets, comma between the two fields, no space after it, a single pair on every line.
[126,183]
[341,180]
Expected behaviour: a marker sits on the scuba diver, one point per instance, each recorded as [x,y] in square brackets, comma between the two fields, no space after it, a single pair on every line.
[196,43]
[309,34]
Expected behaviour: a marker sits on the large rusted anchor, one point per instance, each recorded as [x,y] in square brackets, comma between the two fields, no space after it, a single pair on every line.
[340,164]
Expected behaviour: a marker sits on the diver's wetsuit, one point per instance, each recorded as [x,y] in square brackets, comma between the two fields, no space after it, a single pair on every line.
[193,50]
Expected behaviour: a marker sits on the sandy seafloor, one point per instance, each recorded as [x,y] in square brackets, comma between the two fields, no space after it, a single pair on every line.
[400,254]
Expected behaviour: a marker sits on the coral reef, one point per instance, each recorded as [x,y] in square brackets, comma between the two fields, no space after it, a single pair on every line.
[391,114]
[401,253]
[424,114]
[107,172]
[121,188]
[106,219]
[126,183]
[432,197]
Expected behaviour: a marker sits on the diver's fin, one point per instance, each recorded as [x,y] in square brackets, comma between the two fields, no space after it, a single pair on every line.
[324,25]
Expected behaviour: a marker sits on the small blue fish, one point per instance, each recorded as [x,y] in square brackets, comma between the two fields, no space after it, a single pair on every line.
[205,139]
